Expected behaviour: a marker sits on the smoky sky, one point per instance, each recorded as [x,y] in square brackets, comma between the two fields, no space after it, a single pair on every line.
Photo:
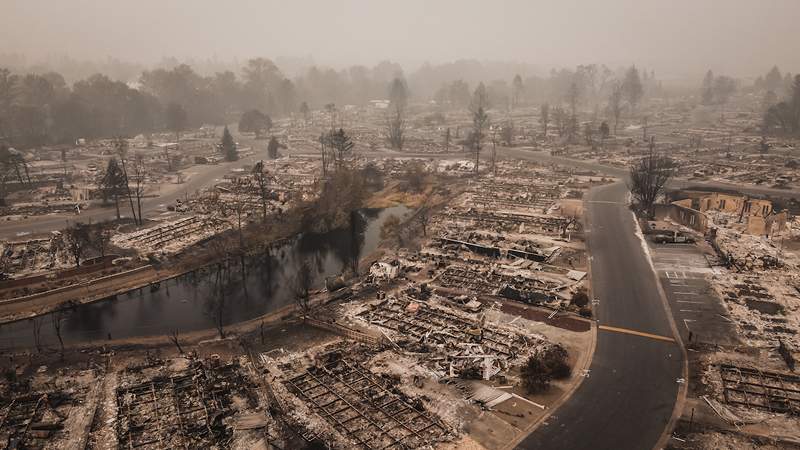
[677,37]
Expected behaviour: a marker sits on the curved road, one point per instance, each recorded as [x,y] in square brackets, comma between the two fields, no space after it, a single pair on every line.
[629,396]
[199,177]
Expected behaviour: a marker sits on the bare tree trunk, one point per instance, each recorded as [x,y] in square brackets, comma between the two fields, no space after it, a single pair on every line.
[116,203]
[174,338]
[128,190]
[37,336]
[56,318]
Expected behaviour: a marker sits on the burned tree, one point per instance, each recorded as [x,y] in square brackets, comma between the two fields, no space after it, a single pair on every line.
[237,204]
[113,183]
[273,147]
[480,120]
[648,178]
[341,149]
[36,323]
[173,337]
[544,117]
[632,88]
[324,149]
[254,121]
[78,239]
[540,369]
[604,132]
[305,111]
[263,178]
[615,105]
[102,232]
[176,118]
[395,121]
[139,176]
[121,148]
[517,89]
[507,133]
[303,280]
[424,218]
[57,317]
[216,307]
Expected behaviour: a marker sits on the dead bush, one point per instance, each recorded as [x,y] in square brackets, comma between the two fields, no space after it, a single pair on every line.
[539,370]
[580,299]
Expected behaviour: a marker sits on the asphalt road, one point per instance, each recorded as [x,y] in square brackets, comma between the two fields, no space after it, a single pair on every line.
[628,397]
[627,400]
[545,157]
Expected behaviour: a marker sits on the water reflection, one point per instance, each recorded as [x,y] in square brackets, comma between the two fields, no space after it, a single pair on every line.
[223,293]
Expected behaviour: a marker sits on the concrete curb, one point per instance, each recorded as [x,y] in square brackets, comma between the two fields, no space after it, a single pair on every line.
[584,364]
[683,388]
[586,360]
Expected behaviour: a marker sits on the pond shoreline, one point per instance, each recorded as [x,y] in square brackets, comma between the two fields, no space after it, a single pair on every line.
[140,312]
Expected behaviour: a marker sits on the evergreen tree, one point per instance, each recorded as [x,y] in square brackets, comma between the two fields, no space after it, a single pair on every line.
[272,148]
[228,146]
[113,184]
[632,87]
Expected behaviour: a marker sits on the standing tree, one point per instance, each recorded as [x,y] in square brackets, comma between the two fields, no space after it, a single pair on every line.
[324,149]
[263,178]
[102,232]
[544,117]
[573,96]
[632,88]
[57,317]
[176,119]
[303,281]
[139,179]
[254,121]
[707,89]
[588,133]
[493,159]
[561,119]
[424,218]
[447,139]
[648,178]
[237,203]
[604,133]
[121,148]
[305,111]
[228,146]
[615,104]
[113,183]
[517,89]
[216,307]
[273,147]
[78,239]
[480,120]
[174,338]
[507,133]
[342,149]
[395,121]
[723,88]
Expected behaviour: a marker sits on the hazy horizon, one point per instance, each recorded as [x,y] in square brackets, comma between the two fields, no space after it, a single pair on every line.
[677,39]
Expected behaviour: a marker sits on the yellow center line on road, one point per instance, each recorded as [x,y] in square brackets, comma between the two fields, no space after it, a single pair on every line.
[636,333]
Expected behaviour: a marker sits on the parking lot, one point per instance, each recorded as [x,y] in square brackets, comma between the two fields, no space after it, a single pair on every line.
[684,273]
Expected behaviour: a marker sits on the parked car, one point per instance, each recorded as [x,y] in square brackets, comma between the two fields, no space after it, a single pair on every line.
[673,238]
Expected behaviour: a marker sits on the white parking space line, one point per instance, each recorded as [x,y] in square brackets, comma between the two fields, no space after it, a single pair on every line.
[690,301]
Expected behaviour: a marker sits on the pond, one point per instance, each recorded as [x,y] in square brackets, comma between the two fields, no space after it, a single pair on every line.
[190,302]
